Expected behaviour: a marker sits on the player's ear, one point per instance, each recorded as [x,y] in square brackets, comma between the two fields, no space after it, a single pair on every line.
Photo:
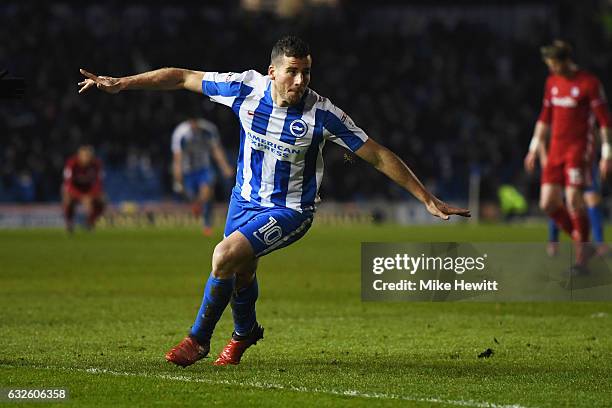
[271,71]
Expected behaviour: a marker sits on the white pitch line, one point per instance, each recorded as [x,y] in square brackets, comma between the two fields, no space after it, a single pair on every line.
[270,386]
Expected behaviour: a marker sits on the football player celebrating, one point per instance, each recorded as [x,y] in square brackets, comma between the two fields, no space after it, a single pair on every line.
[283,127]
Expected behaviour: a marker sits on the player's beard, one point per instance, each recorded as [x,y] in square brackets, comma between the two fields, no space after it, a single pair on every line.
[294,97]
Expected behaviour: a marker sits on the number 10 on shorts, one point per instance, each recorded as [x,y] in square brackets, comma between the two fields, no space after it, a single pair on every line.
[269,233]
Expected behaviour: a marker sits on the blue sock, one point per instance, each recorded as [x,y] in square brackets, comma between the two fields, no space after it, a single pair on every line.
[243,307]
[216,297]
[596,218]
[207,214]
[553,231]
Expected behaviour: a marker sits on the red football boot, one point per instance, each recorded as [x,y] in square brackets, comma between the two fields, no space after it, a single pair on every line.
[187,352]
[232,353]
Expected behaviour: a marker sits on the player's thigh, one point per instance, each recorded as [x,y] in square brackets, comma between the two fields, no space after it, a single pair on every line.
[574,198]
[87,201]
[551,196]
[552,173]
[71,196]
[577,170]
[190,184]
[275,228]
[66,197]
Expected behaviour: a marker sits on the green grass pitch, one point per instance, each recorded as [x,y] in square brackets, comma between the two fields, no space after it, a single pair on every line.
[96,312]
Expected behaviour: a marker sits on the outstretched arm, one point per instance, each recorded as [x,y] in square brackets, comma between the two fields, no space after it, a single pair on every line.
[160,80]
[393,167]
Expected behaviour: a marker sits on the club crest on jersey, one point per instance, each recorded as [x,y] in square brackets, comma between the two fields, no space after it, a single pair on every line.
[298,128]
[575,91]
[554,90]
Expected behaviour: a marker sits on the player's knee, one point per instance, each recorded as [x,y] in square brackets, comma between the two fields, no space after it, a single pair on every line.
[592,199]
[549,205]
[205,194]
[575,203]
[224,260]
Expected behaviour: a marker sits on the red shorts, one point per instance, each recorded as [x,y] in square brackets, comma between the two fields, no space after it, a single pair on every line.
[77,194]
[570,168]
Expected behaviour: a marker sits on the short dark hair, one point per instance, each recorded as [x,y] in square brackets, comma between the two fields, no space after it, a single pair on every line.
[558,50]
[290,46]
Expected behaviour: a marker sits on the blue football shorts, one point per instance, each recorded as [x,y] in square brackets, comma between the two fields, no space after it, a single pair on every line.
[193,180]
[267,229]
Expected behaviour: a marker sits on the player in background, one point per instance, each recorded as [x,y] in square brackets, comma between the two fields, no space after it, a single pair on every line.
[193,142]
[570,95]
[83,184]
[592,199]
[284,125]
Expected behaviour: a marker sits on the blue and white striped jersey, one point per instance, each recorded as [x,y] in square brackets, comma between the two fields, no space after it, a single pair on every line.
[195,143]
[280,162]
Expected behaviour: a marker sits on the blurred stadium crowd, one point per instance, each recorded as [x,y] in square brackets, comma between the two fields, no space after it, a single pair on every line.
[450,96]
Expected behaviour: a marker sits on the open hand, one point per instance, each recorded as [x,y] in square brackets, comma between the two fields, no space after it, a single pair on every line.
[530,162]
[443,210]
[104,83]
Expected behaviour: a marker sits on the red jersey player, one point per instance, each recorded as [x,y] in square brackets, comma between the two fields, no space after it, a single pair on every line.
[82,184]
[570,95]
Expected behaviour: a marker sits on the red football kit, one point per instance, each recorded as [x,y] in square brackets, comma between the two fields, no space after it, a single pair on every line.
[82,180]
[568,103]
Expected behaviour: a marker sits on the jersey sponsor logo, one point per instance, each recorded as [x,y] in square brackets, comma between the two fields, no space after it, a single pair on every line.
[575,91]
[564,102]
[298,128]
[269,233]
[282,151]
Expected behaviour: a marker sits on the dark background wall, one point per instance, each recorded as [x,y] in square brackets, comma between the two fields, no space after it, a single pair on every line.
[451,88]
